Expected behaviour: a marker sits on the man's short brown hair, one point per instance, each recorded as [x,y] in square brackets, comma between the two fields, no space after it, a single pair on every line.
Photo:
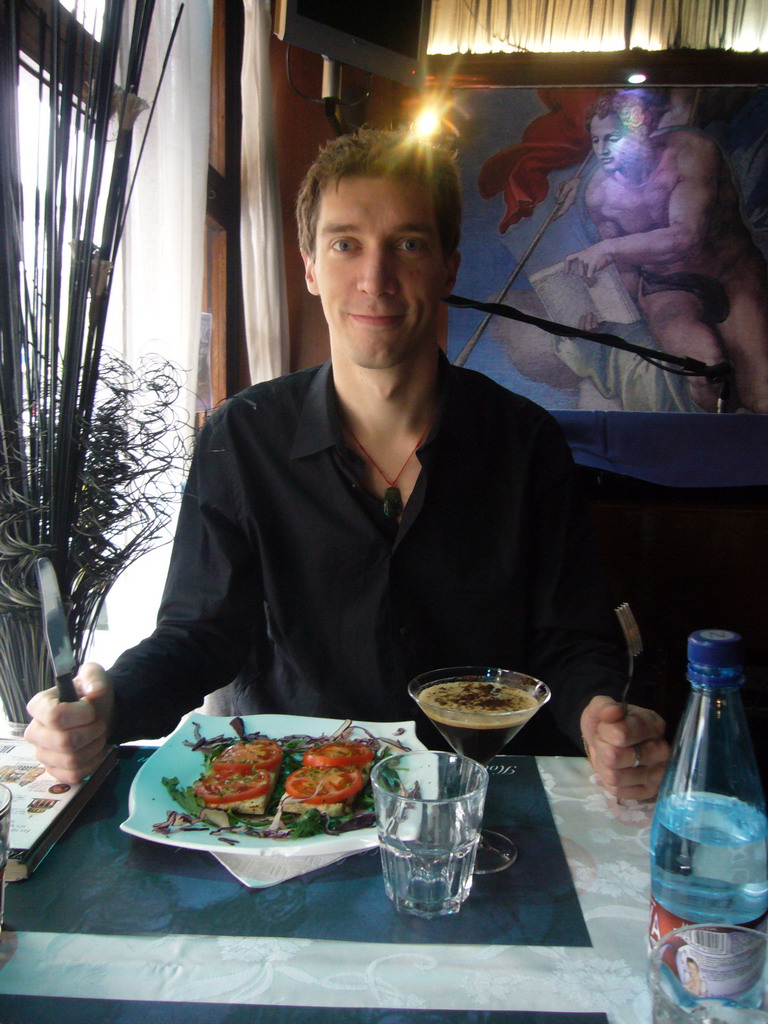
[374,153]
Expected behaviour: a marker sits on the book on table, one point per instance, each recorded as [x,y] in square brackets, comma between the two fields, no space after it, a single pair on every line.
[43,808]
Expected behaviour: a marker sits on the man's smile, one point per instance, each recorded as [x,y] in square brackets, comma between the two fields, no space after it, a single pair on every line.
[377,319]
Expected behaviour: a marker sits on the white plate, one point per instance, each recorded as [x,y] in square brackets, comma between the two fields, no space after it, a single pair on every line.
[150,802]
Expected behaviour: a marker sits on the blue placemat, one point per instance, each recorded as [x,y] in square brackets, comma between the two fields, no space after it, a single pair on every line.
[98,880]
[40,1010]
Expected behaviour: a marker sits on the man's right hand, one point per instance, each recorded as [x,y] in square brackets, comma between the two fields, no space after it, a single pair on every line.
[70,738]
[565,196]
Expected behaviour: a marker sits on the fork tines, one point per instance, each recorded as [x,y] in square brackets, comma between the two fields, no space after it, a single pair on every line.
[630,629]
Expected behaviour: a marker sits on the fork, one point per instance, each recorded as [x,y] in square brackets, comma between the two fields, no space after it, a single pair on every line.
[631,631]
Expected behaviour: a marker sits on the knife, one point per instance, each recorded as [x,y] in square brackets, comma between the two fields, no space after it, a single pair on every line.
[56,630]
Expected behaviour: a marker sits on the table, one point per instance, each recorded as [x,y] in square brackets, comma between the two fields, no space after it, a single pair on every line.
[161,974]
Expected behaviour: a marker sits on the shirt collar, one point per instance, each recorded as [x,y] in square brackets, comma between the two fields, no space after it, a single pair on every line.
[458,414]
[319,424]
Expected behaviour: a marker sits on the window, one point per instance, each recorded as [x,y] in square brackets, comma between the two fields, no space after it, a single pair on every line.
[222,280]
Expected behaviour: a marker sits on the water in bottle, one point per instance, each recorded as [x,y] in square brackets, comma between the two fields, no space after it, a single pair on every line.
[709,855]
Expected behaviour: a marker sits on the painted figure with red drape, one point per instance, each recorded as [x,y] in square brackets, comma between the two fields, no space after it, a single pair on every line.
[666,214]
[550,142]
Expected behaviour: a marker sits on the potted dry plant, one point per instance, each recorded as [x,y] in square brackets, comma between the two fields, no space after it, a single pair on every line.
[87,441]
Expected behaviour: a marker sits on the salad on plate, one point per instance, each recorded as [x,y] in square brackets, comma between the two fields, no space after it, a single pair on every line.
[264,783]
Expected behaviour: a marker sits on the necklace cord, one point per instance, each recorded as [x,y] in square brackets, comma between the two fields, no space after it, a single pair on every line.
[377,467]
[393,500]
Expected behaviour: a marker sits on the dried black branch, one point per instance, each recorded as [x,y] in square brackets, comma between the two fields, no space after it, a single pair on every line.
[91,450]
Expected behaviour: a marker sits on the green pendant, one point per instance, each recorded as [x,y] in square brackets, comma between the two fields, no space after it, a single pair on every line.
[393,503]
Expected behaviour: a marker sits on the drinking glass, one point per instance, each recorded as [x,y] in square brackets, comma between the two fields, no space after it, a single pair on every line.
[479,710]
[709,974]
[429,807]
[5,836]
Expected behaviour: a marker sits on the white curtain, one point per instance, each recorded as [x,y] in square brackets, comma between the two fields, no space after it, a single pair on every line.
[498,26]
[156,297]
[261,237]
[730,24]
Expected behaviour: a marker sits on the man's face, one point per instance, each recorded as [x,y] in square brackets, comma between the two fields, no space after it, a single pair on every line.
[607,134]
[379,270]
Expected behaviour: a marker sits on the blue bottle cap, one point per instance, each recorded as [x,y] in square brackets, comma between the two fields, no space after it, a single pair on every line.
[715,648]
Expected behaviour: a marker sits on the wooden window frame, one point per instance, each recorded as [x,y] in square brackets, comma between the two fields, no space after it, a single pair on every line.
[222,279]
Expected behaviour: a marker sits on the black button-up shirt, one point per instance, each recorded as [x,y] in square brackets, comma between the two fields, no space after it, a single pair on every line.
[287,578]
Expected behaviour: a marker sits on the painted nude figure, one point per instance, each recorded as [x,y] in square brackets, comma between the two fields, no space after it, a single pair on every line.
[667,213]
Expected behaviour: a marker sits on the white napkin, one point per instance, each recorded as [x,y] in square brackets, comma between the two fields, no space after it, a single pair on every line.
[259,872]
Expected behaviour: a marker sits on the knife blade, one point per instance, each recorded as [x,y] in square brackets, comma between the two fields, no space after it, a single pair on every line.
[56,630]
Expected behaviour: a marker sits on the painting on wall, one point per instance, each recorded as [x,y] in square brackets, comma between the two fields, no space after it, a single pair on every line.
[642,213]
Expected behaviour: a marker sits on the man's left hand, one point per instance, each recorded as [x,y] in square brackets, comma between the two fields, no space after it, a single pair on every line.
[629,754]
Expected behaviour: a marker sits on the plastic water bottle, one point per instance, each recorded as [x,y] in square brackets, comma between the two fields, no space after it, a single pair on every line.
[709,857]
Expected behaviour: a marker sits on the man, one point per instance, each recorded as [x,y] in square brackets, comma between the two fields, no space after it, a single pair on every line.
[667,213]
[348,527]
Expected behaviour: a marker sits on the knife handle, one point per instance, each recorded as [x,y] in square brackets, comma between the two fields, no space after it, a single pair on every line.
[66,688]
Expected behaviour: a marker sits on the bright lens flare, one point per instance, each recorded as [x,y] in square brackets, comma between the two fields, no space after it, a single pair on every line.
[427,122]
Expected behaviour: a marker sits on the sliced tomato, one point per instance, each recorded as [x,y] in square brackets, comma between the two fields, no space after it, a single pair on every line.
[215,790]
[240,757]
[338,754]
[324,785]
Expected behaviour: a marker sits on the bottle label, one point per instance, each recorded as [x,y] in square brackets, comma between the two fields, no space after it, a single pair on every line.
[663,922]
[715,962]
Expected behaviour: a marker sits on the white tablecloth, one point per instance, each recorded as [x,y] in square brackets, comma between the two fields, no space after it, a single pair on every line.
[607,849]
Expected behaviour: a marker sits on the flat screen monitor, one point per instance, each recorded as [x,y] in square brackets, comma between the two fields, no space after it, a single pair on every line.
[385,37]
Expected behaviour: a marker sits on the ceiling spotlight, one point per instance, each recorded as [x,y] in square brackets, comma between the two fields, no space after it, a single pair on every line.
[636,78]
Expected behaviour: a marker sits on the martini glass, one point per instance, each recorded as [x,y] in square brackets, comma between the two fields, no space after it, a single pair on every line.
[478,710]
